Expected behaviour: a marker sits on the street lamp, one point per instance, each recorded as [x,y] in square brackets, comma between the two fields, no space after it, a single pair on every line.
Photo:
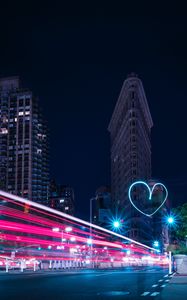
[170,220]
[89,241]
[68,229]
[91,245]
[55,229]
[116,224]
[92,199]
[128,252]
[156,244]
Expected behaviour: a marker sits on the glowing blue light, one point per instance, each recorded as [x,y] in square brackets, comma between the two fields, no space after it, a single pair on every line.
[170,220]
[89,241]
[156,244]
[116,224]
[128,252]
[150,195]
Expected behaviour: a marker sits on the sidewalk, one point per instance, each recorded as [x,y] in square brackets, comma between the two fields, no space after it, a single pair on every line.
[49,271]
[176,289]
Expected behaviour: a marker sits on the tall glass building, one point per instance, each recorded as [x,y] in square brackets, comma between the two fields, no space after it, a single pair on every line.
[130,129]
[24,151]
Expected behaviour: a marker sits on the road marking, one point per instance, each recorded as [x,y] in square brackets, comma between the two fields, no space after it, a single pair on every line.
[145,294]
[160,280]
[167,280]
[163,285]
[154,285]
[155,294]
[166,276]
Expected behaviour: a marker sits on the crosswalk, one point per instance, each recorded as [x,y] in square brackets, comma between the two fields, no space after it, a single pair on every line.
[158,287]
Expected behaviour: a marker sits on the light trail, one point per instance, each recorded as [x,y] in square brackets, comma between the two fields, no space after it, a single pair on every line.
[32,231]
[58,213]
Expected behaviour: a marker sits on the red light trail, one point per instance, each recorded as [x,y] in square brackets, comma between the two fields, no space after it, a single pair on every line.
[43,233]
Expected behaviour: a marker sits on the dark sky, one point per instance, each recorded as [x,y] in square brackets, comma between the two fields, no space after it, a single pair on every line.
[76,59]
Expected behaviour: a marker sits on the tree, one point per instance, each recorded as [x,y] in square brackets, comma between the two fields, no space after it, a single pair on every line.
[181,228]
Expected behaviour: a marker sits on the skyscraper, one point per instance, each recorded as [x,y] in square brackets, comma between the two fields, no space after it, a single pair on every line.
[24,151]
[130,129]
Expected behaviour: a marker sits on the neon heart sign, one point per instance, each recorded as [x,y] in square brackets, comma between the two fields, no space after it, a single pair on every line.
[151,190]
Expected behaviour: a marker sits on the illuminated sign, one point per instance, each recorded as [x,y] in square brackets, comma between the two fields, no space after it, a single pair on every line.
[150,195]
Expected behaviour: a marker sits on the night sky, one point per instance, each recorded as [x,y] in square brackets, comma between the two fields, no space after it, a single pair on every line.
[76,59]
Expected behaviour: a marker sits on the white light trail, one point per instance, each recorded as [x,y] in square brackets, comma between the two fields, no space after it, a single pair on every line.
[61,214]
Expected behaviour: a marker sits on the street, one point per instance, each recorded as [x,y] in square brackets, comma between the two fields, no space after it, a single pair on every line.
[131,283]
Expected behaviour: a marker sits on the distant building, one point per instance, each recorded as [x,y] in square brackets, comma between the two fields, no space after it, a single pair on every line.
[24,151]
[130,129]
[102,206]
[62,198]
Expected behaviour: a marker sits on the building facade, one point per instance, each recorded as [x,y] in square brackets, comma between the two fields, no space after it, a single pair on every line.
[130,129]
[101,206]
[24,150]
[62,198]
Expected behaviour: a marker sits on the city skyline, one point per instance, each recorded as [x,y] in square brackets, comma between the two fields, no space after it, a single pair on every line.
[79,86]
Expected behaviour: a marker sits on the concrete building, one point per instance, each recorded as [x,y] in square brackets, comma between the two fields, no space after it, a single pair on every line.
[130,129]
[24,151]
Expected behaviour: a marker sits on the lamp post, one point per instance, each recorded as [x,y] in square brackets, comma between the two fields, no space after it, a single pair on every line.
[92,199]
[170,221]
[90,240]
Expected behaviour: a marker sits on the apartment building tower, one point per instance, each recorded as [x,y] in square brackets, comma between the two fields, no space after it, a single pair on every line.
[130,129]
[24,151]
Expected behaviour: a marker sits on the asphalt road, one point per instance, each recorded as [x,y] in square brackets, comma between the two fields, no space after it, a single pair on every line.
[131,283]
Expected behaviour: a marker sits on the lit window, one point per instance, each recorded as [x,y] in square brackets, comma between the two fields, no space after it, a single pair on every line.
[3,130]
[5,120]
[66,208]
[61,200]
[39,151]
[27,113]
[21,113]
